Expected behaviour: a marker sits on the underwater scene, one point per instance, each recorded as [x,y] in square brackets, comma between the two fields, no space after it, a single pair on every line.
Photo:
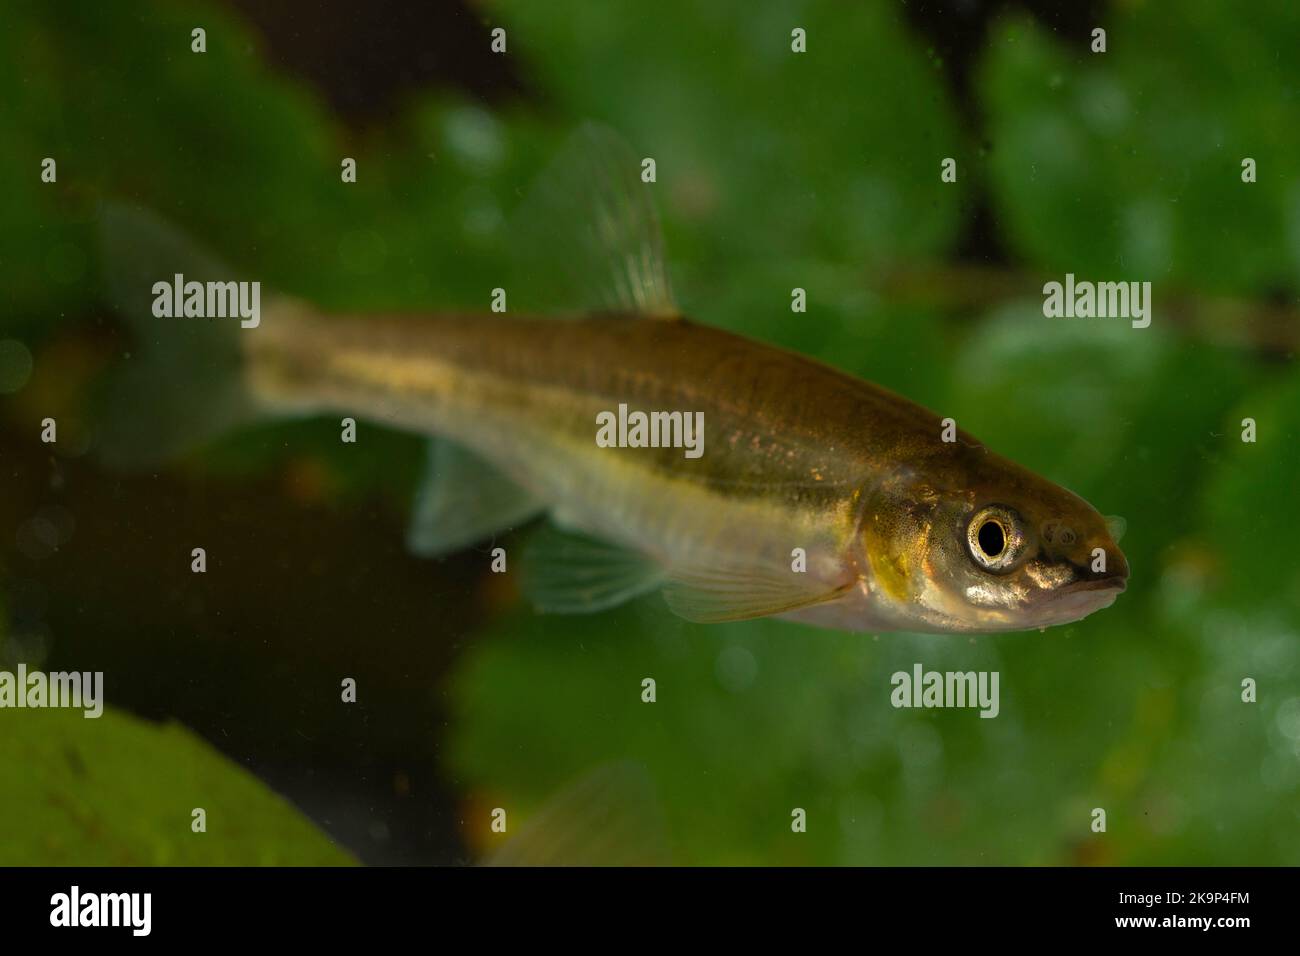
[798,433]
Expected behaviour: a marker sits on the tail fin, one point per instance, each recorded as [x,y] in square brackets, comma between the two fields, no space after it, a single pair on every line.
[182,382]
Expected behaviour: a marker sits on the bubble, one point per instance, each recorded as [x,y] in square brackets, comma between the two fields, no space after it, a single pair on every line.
[482,217]
[36,538]
[60,519]
[1104,105]
[475,136]
[1288,718]
[28,645]
[1279,771]
[42,534]
[736,668]
[1147,237]
[15,366]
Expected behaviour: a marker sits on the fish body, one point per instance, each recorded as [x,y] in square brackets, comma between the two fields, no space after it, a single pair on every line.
[797,455]
[808,494]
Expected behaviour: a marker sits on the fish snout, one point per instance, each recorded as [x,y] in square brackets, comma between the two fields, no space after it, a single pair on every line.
[1104,568]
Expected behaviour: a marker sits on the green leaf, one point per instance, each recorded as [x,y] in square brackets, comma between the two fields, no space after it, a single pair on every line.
[728,112]
[1252,522]
[117,790]
[1127,164]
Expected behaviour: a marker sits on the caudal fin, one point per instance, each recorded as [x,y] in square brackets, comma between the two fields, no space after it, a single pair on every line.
[181,382]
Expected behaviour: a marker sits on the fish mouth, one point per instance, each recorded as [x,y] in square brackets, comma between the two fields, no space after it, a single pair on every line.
[1077,600]
[1114,582]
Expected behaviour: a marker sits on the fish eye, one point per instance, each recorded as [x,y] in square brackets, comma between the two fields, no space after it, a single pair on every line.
[994,538]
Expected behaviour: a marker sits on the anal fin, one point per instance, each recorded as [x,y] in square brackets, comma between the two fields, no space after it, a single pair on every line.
[719,594]
[567,572]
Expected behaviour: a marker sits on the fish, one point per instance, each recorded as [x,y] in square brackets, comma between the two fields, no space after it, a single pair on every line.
[816,497]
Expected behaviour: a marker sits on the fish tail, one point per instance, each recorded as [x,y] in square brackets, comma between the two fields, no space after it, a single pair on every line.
[182,380]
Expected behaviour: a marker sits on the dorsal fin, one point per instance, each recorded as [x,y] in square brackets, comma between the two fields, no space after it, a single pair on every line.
[587,238]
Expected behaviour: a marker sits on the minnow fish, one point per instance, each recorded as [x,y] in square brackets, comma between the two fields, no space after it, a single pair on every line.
[818,497]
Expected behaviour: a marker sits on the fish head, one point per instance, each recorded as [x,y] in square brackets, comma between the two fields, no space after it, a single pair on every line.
[1001,549]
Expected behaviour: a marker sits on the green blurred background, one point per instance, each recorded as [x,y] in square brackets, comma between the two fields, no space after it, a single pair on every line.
[775,170]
